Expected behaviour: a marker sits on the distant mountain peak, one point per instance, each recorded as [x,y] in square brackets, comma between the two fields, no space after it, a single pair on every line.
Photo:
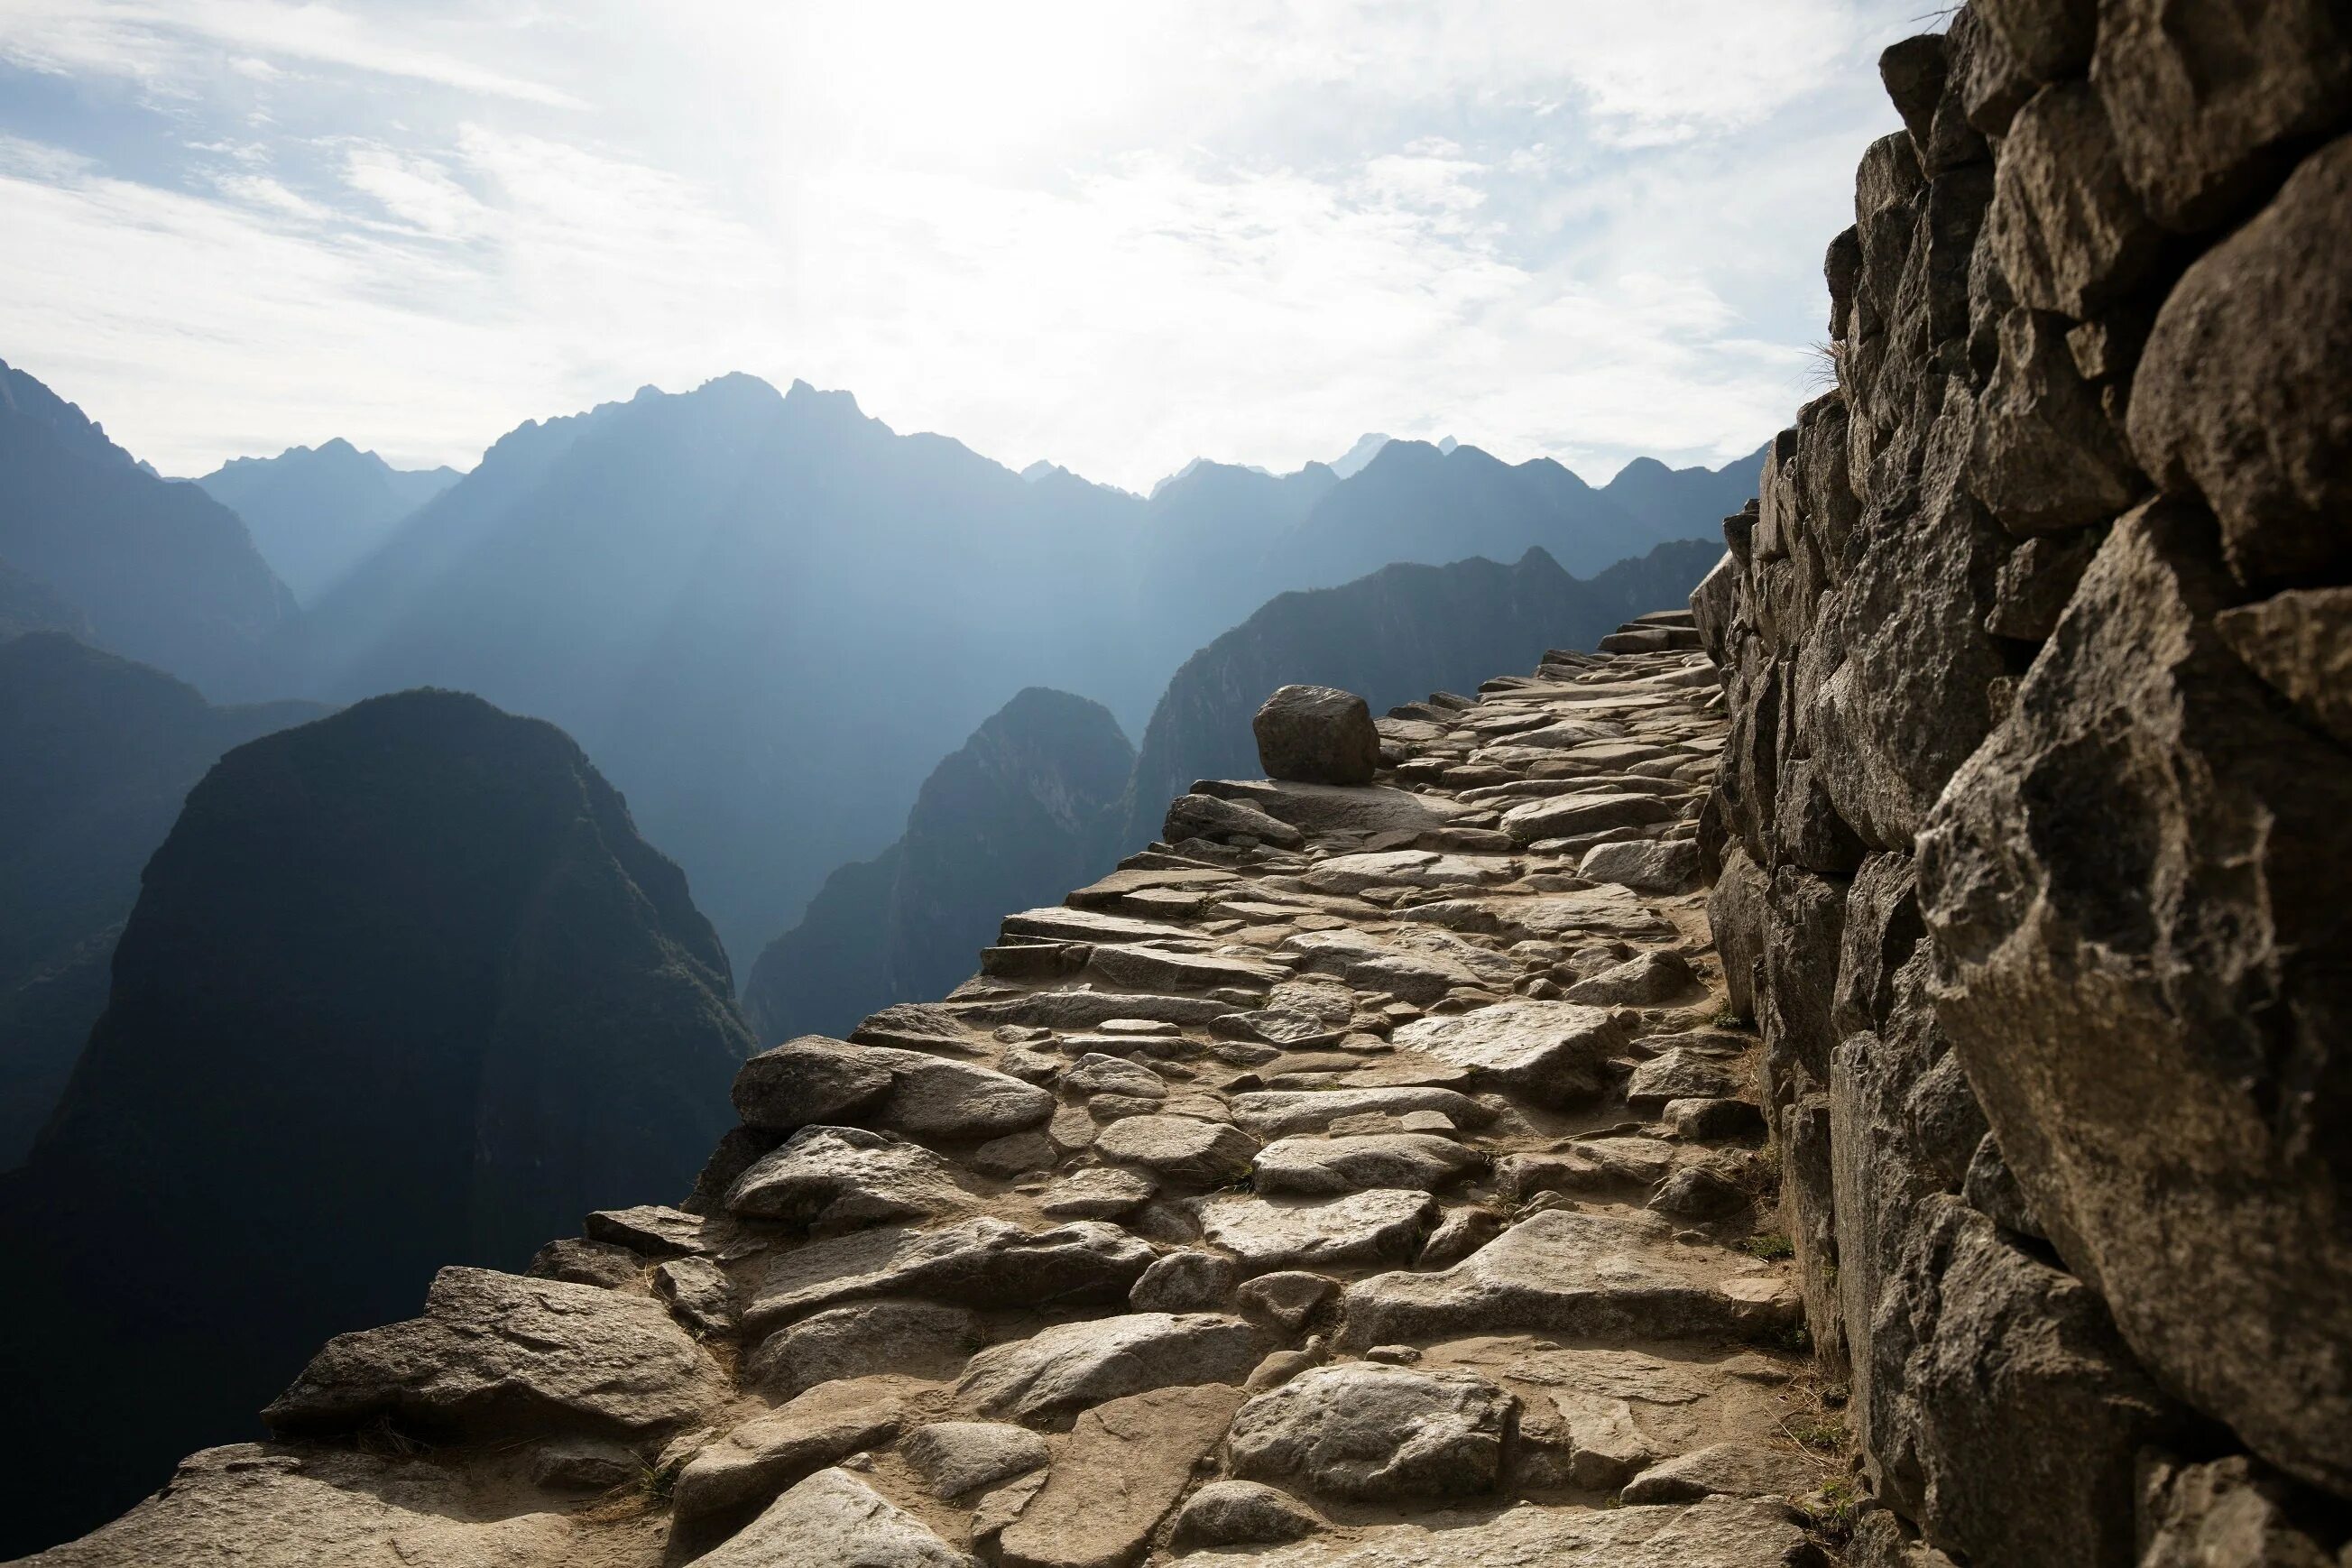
[1351,461]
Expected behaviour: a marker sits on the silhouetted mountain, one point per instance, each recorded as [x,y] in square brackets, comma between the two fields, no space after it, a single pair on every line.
[160,572]
[315,512]
[99,753]
[403,988]
[765,615]
[1393,637]
[1023,812]
[1664,500]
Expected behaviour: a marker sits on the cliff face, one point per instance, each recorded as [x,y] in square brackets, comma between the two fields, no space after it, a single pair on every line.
[2038,802]
[403,988]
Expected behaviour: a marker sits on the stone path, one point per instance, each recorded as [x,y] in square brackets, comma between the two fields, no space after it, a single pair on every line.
[1363,1177]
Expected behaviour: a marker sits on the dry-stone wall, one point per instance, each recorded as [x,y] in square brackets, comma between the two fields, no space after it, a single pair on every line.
[2035,825]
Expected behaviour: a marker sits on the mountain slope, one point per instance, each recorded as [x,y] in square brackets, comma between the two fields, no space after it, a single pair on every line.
[403,988]
[1018,814]
[317,511]
[1391,636]
[162,572]
[101,753]
[767,615]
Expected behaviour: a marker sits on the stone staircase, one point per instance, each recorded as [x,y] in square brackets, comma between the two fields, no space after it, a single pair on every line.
[1365,1175]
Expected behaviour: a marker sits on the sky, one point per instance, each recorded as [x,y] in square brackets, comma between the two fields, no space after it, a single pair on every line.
[1114,235]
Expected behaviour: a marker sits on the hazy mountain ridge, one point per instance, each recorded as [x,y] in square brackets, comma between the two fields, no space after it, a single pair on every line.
[317,511]
[157,571]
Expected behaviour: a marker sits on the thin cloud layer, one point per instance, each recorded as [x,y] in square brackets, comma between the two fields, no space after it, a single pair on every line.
[1113,236]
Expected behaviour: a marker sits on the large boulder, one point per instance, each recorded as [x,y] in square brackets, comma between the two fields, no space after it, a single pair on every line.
[2136,891]
[1316,734]
[500,1354]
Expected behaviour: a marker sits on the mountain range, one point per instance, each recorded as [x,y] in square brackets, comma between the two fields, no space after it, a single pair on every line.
[762,611]
[764,614]
[315,512]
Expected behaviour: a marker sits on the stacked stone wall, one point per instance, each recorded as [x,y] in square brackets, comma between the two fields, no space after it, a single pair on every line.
[2035,829]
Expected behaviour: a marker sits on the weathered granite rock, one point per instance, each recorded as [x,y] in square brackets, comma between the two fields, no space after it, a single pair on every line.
[955,1457]
[813,1080]
[833,1520]
[1209,816]
[914,1339]
[1645,980]
[1648,865]
[1186,1281]
[1367,1432]
[1566,815]
[2066,229]
[1280,1114]
[1242,1514]
[2226,1513]
[497,1354]
[1057,1372]
[2125,886]
[1125,1464]
[1717,1533]
[980,1262]
[1726,1470]
[2209,102]
[259,1505]
[1555,1052]
[1316,734]
[1179,1148]
[2300,642]
[1361,1230]
[1568,1273]
[1317,1166]
[759,1458]
[2251,345]
[831,1179]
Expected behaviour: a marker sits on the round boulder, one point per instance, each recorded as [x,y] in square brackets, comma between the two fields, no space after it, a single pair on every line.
[1316,734]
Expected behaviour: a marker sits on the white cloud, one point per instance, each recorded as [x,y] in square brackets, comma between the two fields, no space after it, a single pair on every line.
[1120,237]
[161,44]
